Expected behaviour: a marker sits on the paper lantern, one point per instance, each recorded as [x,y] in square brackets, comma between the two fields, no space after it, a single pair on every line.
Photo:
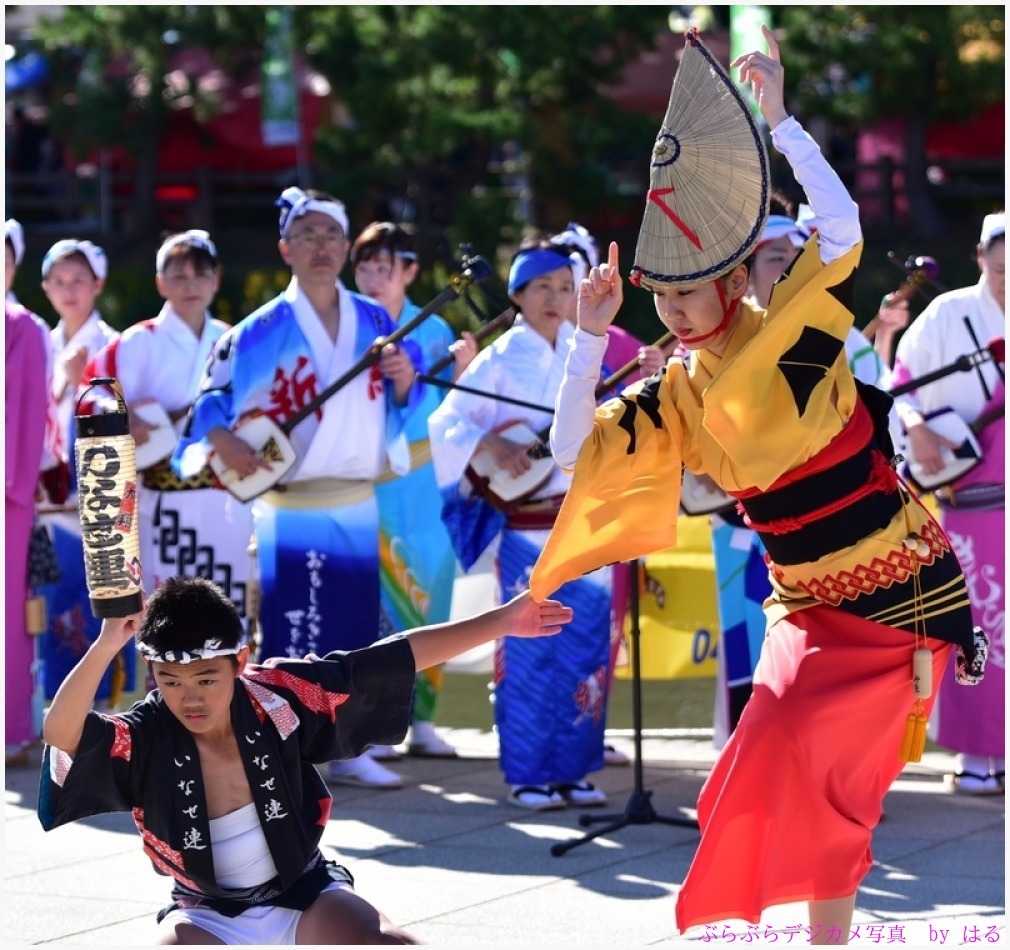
[107,491]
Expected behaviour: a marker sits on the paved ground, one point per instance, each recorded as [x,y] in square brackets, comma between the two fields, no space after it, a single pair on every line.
[445,858]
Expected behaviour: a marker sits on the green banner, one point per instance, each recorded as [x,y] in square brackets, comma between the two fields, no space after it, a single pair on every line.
[745,36]
[279,90]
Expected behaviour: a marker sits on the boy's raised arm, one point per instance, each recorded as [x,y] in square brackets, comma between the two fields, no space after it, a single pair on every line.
[64,722]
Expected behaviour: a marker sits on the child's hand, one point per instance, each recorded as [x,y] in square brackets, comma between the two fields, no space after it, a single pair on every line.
[527,618]
[893,316]
[140,428]
[652,359]
[463,351]
[73,366]
[395,365]
[600,296]
[119,631]
[765,74]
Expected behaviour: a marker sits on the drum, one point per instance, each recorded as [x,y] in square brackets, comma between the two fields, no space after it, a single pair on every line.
[160,441]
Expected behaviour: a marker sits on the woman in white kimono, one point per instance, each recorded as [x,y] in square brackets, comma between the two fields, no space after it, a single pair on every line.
[549,699]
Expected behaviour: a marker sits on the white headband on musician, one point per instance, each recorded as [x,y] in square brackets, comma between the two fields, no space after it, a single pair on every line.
[294,203]
[993,226]
[193,237]
[212,648]
[576,236]
[14,233]
[781,225]
[94,255]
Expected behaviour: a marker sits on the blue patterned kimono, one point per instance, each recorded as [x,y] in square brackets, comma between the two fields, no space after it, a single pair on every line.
[550,698]
[317,539]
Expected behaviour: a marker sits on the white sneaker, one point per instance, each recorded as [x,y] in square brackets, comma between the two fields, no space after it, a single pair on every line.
[363,772]
[424,741]
[384,753]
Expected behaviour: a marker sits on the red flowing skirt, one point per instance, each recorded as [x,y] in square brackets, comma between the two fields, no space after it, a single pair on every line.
[789,808]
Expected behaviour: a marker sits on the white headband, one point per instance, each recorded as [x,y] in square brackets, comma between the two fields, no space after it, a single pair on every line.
[94,255]
[294,203]
[781,225]
[576,234]
[195,238]
[212,648]
[993,226]
[14,233]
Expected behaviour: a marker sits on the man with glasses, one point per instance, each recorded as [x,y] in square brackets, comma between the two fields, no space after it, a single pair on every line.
[316,533]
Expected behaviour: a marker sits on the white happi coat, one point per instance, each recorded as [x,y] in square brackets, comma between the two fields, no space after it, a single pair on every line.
[92,336]
[520,364]
[936,338]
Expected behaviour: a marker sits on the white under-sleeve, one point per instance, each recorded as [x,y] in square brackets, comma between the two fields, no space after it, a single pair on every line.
[575,407]
[836,215]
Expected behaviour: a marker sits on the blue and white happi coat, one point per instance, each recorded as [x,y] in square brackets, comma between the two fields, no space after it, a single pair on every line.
[318,566]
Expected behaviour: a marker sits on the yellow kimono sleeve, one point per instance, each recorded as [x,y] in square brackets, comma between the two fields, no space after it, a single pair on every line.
[772,407]
[625,493]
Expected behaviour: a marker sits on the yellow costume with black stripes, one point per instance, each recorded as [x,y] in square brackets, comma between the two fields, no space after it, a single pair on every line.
[775,400]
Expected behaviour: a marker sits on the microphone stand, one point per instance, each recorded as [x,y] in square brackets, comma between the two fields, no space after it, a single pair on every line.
[638,810]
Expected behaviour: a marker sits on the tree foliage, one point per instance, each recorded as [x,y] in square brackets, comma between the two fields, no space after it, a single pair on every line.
[445,104]
[926,64]
[438,111]
[870,62]
[113,84]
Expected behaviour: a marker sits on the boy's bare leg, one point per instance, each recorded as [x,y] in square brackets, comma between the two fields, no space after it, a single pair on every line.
[831,921]
[342,917]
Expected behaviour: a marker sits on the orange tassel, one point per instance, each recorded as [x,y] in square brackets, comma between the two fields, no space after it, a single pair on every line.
[913,743]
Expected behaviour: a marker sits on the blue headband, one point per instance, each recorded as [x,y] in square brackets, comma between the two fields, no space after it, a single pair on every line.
[533,263]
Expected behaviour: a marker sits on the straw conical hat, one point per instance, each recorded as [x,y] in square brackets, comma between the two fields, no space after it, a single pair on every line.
[709,183]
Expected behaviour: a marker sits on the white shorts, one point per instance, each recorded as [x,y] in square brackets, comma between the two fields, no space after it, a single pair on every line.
[267,926]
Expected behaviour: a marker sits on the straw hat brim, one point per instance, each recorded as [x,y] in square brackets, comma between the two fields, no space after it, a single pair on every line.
[709,183]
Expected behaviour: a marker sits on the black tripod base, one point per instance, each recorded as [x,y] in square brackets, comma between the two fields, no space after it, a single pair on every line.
[638,811]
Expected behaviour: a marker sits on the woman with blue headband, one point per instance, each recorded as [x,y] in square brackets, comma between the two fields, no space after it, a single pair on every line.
[549,699]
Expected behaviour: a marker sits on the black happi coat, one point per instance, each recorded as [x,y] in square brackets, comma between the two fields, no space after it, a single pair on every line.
[289,716]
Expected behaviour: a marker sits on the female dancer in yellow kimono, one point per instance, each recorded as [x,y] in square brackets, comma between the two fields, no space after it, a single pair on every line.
[861,573]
